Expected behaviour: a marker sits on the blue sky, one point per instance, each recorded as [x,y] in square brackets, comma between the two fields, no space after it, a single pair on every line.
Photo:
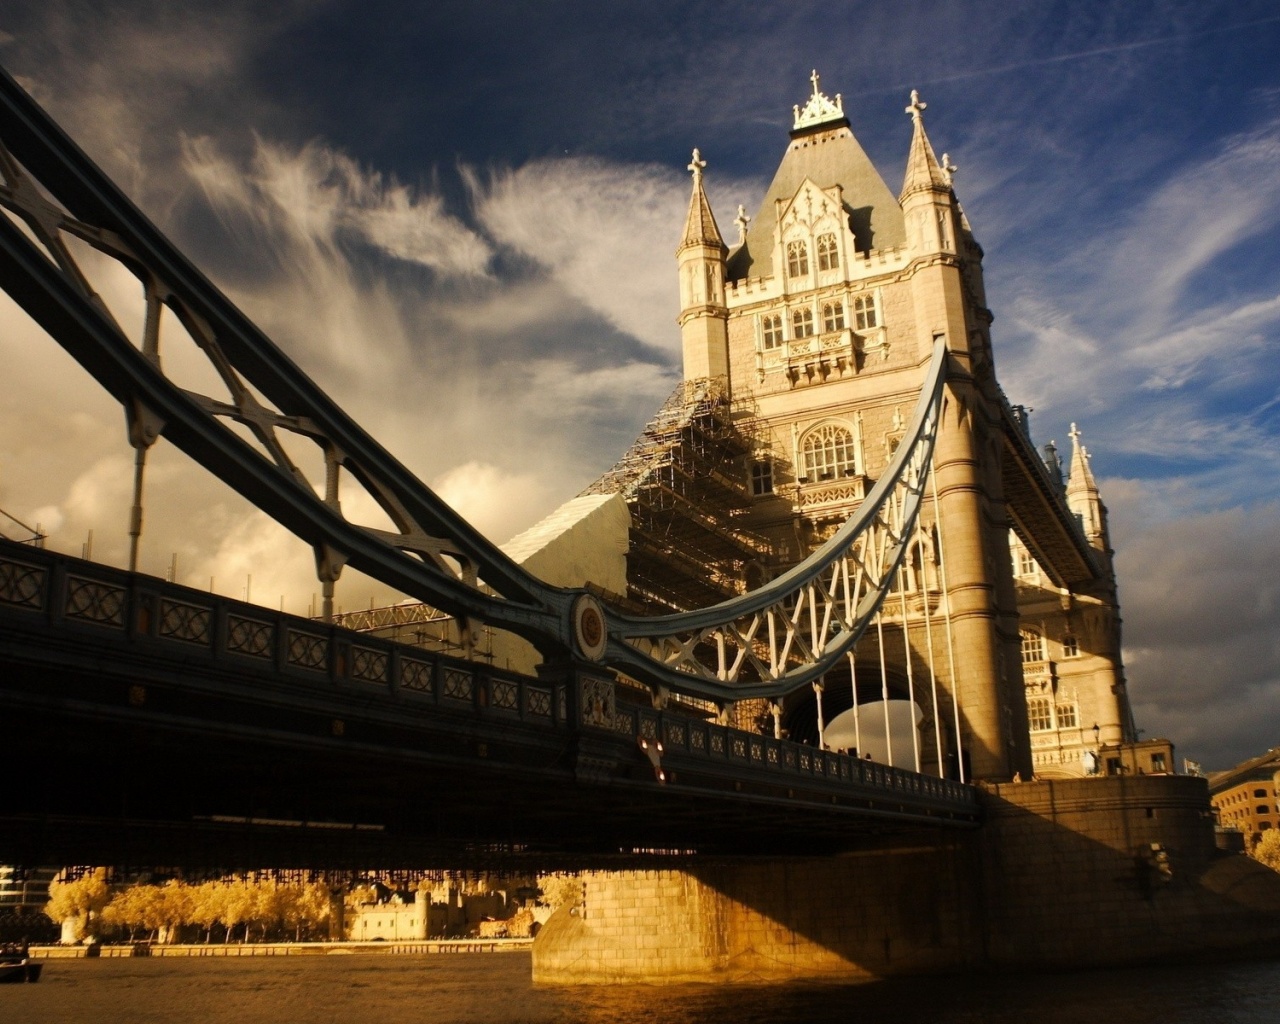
[460,219]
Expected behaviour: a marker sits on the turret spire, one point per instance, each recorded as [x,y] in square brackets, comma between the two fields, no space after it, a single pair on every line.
[1081,475]
[1083,497]
[700,225]
[923,169]
[703,315]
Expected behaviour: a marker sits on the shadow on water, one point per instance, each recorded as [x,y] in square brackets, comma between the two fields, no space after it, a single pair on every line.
[495,989]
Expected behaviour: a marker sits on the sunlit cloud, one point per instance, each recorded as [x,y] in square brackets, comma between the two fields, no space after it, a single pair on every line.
[505,326]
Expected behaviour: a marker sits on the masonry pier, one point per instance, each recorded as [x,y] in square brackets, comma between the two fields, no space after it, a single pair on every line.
[1064,874]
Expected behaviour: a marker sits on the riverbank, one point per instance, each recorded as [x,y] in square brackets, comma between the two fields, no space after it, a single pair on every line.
[148,949]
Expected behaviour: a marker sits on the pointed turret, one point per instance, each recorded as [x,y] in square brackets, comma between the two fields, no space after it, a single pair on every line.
[927,201]
[700,225]
[1083,497]
[923,169]
[704,317]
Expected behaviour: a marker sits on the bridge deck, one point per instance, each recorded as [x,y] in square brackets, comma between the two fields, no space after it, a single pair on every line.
[147,721]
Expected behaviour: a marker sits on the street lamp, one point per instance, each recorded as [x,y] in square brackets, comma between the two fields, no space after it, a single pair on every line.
[1096,732]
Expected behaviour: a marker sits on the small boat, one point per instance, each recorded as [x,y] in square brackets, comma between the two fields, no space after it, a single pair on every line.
[17,967]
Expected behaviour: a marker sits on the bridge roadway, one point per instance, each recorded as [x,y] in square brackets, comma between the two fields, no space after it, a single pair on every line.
[150,723]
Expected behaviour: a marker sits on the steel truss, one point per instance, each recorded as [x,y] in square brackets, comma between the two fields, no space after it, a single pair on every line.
[765,643]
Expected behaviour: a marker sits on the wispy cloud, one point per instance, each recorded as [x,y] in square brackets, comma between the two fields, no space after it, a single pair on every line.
[505,325]
[1150,326]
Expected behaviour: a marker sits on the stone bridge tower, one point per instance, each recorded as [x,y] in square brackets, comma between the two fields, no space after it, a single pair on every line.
[833,298]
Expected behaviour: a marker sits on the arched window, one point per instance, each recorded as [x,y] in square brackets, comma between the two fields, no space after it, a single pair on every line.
[832,317]
[802,322]
[828,254]
[1039,714]
[1066,716]
[797,259]
[829,452]
[771,330]
[864,312]
[1032,647]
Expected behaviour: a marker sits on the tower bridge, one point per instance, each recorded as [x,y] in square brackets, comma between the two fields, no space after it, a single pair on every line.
[833,601]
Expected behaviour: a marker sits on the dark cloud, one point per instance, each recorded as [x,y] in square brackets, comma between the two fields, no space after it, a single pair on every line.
[1201,601]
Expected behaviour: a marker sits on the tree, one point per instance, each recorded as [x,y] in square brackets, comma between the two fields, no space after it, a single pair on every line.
[304,907]
[265,908]
[1267,849]
[206,906]
[560,890]
[237,907]
[126,910]
[174,906]
[79,899]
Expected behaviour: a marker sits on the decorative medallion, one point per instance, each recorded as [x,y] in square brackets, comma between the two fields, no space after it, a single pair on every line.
[588,627]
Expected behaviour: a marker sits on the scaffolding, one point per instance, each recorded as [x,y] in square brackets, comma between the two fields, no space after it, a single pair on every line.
[684,482]
[420,625]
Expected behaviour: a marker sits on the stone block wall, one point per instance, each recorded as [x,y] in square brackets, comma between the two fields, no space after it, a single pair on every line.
[1071,877]
[1062,874]
[856,917]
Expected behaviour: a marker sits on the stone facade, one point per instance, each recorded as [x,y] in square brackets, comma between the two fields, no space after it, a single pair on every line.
[834,297]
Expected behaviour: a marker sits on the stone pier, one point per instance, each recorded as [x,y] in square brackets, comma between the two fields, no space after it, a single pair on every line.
[1063,874]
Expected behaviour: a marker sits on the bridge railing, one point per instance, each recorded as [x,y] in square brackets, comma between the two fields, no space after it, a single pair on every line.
[686,737]
[163,624]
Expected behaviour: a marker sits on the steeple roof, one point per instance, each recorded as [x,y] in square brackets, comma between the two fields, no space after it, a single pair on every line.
[1081,480]
[923,169]
[823,150]
[700,225]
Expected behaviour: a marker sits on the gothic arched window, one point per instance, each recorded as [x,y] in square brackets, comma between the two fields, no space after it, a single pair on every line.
[771,330]
[797,259]
[802,322]
[864,312]
[832,317]
[829,452]
[1033,648]
[828,254]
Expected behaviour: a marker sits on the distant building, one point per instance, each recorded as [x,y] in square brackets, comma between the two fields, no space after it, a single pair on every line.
[446,911]
[24,890]
[1246,797]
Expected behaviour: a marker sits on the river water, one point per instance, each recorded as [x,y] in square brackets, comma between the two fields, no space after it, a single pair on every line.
[495,989]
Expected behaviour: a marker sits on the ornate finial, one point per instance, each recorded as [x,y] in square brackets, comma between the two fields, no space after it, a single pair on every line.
[696,166]
[917,106]
[948,168]
[742,220]
[1074,434]
[819,109]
